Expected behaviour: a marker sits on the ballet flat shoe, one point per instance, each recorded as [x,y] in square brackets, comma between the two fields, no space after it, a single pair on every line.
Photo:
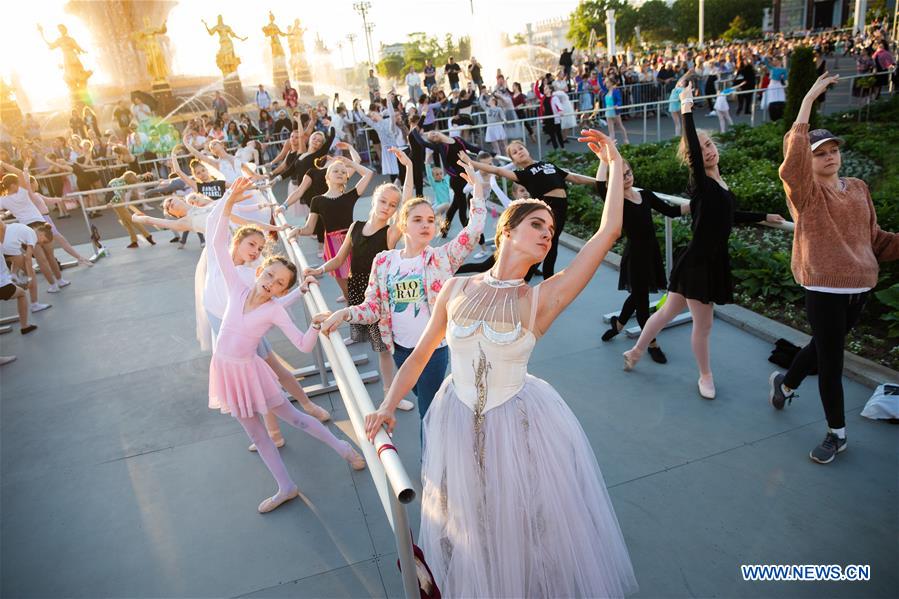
[354,458]
[279,444]
[274,502]
[319,413]
[706,390]
[405,405]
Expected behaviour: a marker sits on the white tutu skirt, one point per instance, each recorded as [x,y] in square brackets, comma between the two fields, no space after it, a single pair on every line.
[495,133]
[535,520]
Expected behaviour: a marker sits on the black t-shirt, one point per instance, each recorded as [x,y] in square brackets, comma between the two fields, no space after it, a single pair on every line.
[452,71]
[335,213]
[541,178]
[476,73]
[214,190]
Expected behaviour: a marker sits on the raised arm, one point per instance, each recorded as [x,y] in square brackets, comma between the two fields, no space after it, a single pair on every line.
[202,157]
[23,178]
[416,134]
[408,374]
[579,179]
[181,174]
[697,167]
[458,249]
[564,286]
[220,237]
[365,175]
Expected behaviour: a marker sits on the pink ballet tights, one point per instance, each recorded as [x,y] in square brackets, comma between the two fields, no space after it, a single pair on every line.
[270,454]
[702,327]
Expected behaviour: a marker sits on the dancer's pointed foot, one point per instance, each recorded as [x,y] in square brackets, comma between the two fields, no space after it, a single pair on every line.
[317,412]
[706,386]
[277,499]
[631,357]
[279,443]
[353,457]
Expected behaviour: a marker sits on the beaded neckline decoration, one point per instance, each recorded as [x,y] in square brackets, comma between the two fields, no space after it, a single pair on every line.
[493,308]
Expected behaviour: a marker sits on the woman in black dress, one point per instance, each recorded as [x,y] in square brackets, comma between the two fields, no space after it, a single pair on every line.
[641,271]
[701,274]
[366,238]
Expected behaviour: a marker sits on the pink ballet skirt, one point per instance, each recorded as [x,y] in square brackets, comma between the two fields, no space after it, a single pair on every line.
[243,387]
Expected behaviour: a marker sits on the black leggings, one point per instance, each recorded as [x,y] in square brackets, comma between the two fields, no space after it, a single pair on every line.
[559,207]
[417,174]
[554,130]
[459,204]
[831,316]
[637,301]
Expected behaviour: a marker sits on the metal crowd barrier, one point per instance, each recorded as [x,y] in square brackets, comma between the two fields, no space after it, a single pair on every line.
[391,480]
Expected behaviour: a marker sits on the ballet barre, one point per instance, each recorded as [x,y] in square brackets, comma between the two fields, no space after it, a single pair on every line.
[6,328]
[392,482]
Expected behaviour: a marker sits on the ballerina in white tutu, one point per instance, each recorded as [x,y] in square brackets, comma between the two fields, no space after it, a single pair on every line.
[513,503]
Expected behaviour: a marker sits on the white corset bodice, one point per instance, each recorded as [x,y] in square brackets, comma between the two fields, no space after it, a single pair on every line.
[488,366]
[486,374]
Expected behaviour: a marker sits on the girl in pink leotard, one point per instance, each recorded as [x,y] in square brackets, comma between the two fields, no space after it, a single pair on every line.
[240,382]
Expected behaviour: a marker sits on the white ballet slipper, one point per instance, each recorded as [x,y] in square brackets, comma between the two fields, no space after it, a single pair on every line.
[706,388]
[405,405]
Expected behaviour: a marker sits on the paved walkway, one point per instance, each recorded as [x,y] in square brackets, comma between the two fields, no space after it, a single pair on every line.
[118,481]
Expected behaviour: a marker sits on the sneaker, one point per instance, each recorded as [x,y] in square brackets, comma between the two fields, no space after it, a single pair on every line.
[657,355]
[63,283]
[613,330]
[37,307]
[828,450]
[776,397]
[54,288]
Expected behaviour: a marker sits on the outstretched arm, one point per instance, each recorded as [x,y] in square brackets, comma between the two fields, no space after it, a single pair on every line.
[182,224]
[181,174]
[303,341]
[408,374]
[202,157]
[496,170]
[564,286]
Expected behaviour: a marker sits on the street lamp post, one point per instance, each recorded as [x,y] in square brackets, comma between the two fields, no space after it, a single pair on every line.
[362,8]
[610,33]
[701,22]
[351,37]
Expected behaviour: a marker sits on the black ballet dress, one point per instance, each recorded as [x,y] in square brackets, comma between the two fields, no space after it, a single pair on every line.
[702,269]
[365,248]
[641,261]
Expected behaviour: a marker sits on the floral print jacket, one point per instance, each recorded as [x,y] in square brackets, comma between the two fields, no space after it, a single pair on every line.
[440,265]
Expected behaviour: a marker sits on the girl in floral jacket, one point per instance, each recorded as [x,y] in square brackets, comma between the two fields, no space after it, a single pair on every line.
[404,284]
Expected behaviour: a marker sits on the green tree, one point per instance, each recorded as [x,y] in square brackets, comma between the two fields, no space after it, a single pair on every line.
[655,20]
[801,77]
[590,15]
[390,66]
[464,48]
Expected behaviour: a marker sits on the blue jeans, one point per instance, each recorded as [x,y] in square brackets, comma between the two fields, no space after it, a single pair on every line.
[431,377]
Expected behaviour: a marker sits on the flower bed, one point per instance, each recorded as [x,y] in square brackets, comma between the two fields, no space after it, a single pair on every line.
[761,257]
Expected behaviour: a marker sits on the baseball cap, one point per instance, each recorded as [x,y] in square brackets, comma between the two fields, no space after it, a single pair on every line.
[820,136]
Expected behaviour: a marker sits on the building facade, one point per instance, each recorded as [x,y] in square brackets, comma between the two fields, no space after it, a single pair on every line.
[791,15]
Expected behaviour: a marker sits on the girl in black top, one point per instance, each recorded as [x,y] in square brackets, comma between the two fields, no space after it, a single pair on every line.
[365,240]
[701,274]
[641,271]
[335,209]
[319,144]
[544,181]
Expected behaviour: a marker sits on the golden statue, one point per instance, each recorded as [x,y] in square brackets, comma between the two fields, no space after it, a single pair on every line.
[148,42]
[226,59]
[74,73]
[299,68]
[274,34]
